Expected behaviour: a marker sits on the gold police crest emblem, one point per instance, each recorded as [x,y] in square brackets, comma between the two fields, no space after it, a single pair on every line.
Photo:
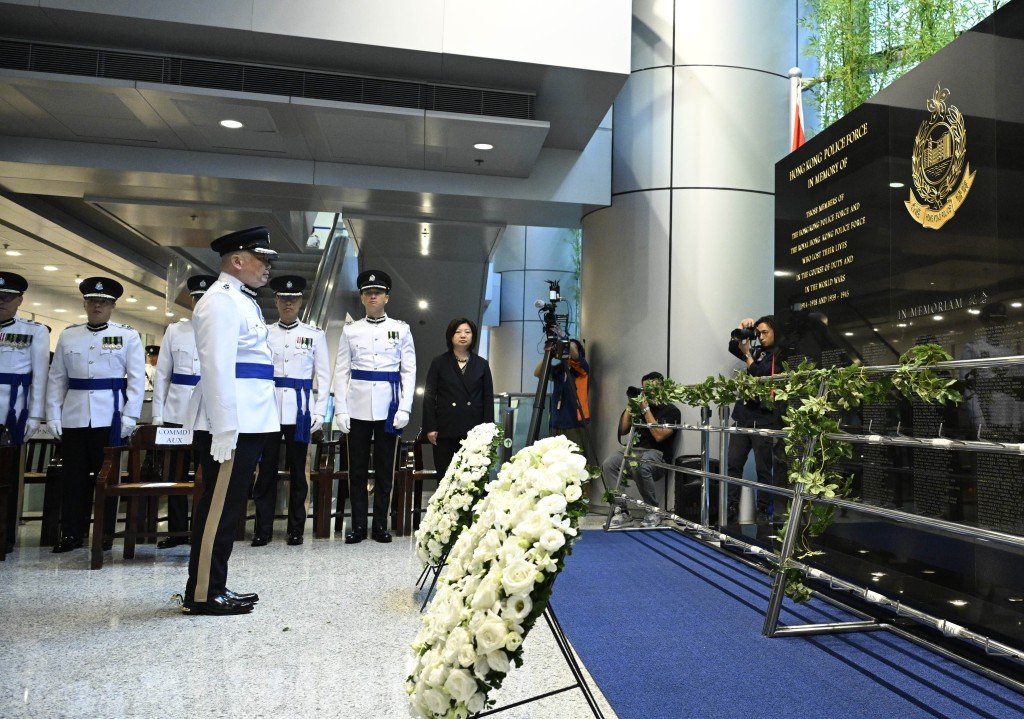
[941,177]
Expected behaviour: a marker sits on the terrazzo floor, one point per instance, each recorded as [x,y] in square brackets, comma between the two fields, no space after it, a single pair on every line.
[329,637]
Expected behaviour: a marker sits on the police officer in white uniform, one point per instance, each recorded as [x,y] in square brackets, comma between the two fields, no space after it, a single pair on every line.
[93,400]
[374,380]
[24,357]
[177,374]
[300,355]
[233,412]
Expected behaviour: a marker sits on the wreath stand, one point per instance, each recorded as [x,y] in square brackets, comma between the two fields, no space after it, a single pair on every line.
[581,683]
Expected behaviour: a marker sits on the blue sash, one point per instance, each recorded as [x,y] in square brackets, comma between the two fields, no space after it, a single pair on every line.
[113,384]
[185,379]
[254,370]
[303,420]
[395,379]
[16,422]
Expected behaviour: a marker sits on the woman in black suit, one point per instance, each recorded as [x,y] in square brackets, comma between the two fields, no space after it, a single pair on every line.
[459,393]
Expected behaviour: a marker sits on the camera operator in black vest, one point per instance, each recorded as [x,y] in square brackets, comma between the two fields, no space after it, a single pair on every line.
[754,343]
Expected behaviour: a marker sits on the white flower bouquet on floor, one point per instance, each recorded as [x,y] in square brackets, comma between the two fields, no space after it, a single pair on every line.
[499,579]
[451,507]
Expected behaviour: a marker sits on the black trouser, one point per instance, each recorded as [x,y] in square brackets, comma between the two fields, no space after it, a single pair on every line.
[81,460]
[177,504]
[740,445]
[215,516]
[13,479]
[364,433]
[444,452]
[264,492]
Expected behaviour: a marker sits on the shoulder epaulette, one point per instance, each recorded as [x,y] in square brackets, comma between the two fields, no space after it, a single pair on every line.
[349,322]
[401,322]
[123,326]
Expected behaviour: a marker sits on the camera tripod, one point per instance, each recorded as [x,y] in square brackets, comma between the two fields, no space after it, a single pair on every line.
[552,352]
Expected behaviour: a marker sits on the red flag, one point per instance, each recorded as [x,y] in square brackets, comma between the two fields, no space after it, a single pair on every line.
[796,107]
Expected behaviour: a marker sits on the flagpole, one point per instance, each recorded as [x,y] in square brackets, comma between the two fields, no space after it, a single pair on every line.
[796,110]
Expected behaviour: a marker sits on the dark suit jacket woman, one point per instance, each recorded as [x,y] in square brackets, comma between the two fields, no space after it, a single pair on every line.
[455,401]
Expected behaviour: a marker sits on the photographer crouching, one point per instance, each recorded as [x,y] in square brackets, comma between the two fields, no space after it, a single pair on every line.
[754,343]
[652,444]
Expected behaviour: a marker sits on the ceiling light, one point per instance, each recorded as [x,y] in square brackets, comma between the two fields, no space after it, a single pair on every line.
[419,392]
[83,317]
[958,602]
[169,314]
[423,304]
[896,184]
[13,253]
[60,310]
[927,571]
[50,268]
[231,124]
[937,317]
[877,575]
[782,273]
[1015,304]
[78,279]
[150,307]
[483,146]
[848,334]
[974,311]
[36,304]
[131,299]
[901,324]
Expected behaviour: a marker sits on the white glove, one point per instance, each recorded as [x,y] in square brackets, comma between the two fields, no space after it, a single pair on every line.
[127,427]
[317,423]
[54,427]
[401,419]
[31,425]
[157,421]
[344,423]
[223,445]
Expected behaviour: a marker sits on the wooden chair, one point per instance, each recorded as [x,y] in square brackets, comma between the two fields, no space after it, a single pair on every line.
[43,466]
[146,439]
[330,463]
[409,485]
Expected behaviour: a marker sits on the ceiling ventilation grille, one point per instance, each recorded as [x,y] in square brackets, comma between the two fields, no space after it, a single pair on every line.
[261,79]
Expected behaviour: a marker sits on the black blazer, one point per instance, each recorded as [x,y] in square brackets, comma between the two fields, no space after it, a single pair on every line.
[455,402]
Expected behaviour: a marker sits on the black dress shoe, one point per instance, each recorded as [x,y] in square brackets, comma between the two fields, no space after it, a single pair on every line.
[218,605]
[294,539]
[244,597]
[260,541]
[354,537]
[168,542]
[108,544]
[67,544]
[383,536]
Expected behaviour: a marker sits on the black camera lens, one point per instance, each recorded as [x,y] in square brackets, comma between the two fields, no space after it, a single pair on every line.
[745,333]
[633,392]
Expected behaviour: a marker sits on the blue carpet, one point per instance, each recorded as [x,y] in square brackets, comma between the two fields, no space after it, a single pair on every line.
[670,628]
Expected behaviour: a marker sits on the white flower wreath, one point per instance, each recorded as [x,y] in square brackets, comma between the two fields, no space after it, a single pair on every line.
[498,582]
[451,507]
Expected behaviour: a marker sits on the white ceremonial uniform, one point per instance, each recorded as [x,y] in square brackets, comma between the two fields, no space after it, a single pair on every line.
[81,354]
[230,333]
[300,353]
[177,372]
[24,358]
[376,347]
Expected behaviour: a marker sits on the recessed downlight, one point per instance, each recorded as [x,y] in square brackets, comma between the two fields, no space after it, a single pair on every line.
[231,124]
[13,253]
[50,268]
[483,146]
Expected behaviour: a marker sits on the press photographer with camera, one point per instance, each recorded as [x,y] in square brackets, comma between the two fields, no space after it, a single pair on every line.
[653,444]
[570,383]
[754,343]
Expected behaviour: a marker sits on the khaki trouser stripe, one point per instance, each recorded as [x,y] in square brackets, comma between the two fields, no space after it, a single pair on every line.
[210,530]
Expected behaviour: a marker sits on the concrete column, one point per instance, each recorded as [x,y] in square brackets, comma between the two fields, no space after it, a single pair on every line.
[686,248]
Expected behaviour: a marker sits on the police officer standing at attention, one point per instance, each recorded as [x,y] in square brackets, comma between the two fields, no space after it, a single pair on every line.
[374,377]
[300,354]
[177,374]
[93,400]
[152,357]
[24,357]
[233,412]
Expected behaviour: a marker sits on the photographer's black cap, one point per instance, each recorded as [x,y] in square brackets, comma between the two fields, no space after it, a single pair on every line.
[373,280]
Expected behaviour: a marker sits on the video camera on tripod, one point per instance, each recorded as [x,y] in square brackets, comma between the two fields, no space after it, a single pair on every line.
[556,326]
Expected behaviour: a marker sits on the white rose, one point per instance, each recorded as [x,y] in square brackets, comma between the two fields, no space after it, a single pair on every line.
[436,675]
[519,577]
[435,701]
[533,525]
[552,540]
[498,661]
[475,705]
[490,634]
[461,684]
[552,504]
[573,492]
[466,656]
[487,593]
